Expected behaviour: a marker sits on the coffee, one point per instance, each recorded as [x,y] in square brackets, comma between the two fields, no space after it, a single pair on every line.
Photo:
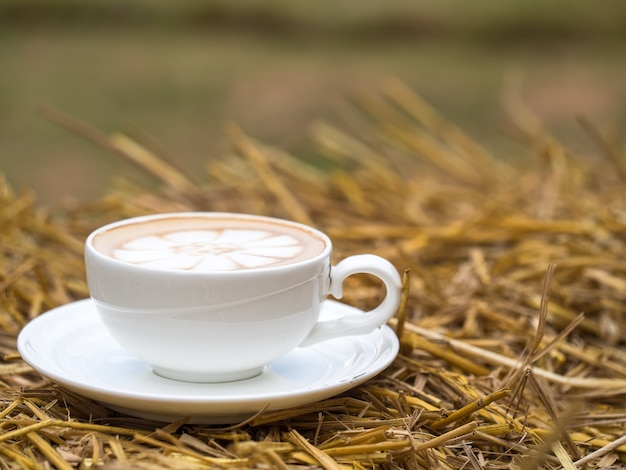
[177,290]
[209,243]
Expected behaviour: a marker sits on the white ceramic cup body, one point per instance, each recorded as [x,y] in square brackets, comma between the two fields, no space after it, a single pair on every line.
[217,326]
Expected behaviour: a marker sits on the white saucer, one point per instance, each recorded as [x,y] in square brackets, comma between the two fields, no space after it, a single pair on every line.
[71,346]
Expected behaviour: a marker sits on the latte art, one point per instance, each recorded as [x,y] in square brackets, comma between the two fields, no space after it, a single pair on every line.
[211,250]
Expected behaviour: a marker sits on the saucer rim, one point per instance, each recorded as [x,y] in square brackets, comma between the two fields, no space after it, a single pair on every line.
[111,397]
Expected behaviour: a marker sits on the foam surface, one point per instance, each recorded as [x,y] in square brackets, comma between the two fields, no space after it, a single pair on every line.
[212,250]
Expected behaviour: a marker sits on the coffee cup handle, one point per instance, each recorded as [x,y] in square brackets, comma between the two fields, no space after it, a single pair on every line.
[349,325]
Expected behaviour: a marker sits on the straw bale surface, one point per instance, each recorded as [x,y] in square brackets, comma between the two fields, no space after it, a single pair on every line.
[512,323]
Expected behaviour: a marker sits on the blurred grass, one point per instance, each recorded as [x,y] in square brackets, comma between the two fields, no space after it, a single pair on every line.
[180,70]
[479,19]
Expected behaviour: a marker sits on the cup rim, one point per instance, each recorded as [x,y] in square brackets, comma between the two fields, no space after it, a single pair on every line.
[91,249]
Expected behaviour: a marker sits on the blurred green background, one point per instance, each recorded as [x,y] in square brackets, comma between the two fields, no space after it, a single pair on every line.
[179,71]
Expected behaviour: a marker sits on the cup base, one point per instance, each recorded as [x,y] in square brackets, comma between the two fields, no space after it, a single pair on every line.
[199,377]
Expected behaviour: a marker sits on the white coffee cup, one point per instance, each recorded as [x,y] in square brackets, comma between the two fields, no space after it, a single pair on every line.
[215,297]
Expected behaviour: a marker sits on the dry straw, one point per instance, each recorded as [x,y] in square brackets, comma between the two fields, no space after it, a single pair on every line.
[512,322]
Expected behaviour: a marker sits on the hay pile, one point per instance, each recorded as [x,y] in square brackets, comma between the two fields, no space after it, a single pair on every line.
[512,325]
